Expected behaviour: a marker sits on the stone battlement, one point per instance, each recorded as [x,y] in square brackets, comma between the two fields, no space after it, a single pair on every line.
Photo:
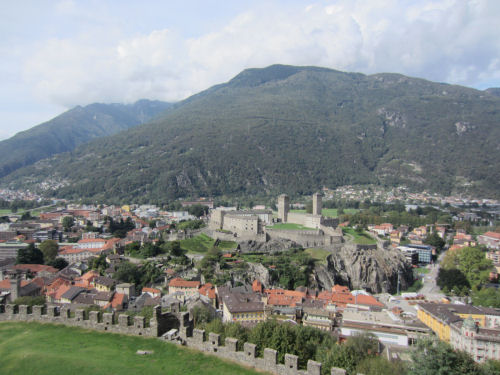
[158,326]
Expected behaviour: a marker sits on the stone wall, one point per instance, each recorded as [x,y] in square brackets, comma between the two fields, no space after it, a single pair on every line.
[158,326]
[305,238]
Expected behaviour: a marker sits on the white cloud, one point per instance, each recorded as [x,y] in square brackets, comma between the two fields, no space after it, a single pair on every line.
[453,41]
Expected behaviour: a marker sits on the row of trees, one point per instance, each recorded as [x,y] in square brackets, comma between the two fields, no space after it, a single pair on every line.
[359,354]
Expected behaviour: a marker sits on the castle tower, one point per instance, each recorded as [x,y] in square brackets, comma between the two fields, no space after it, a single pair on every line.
[283,207]
[317,204]
[15,286]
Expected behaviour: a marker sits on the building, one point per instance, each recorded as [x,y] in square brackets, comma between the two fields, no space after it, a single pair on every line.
[318,318]
[424,252]
[187,288]
[389,327]
[490,239]
[473,329]
[245,308]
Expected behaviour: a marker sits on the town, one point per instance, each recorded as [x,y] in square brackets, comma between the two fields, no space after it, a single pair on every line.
[259,264]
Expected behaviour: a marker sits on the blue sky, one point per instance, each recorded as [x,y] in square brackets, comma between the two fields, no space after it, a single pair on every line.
[59,54]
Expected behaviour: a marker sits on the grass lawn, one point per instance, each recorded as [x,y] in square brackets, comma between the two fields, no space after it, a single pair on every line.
[330,212]
[199,244]
[362,239]
[5,212]
[227,245]
[289,226]
[45,349]
[202,243]
[318,254]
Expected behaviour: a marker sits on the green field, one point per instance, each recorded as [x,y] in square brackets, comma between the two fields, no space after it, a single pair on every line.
[202,243]
[330,212]
[227,245]
[318,254]
[289,226]
[362,239]
[34,348]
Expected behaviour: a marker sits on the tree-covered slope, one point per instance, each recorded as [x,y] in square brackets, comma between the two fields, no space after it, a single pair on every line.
[72,128]
[295,130]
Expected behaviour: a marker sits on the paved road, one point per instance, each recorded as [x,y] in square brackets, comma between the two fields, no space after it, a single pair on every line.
[430,288]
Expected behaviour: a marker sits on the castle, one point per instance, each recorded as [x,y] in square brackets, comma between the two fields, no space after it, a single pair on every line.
[256,225]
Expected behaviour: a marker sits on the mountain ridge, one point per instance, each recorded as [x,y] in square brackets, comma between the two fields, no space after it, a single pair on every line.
[72,128]
[295,130]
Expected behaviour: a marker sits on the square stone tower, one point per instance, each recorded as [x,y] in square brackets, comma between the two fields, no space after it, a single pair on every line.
[317,204]
[283,207]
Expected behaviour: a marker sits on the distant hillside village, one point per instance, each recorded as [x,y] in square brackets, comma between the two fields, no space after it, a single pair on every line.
[131,258]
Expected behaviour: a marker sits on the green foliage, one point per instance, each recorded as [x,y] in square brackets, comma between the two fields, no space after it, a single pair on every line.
[439,358]
[191,224]
[384,128]
[144,274]
[120,229]
[99,263]
[49,248]
[452,279]
[463,269]
[488,297]
[198,210]
[380,366]
[29,255]
[436,241]
[67,223]
[58,263]
[349,355]
[30,301]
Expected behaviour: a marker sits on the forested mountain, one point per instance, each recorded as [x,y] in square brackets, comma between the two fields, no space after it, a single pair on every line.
[72,128]
[292,129]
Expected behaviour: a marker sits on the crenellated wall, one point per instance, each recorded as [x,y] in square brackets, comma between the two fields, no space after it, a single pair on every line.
[160,324]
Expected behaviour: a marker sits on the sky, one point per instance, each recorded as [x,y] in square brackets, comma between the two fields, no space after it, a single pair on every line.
[55,55]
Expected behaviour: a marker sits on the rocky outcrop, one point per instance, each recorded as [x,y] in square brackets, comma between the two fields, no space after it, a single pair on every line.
[375,270]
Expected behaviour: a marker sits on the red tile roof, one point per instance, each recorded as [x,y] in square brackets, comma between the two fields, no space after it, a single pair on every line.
[181,283]
[35,268]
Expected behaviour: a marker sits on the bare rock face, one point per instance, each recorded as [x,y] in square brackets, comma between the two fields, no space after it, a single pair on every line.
[375,270]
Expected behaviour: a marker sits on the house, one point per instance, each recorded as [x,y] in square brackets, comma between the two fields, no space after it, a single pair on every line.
[318,318]
[188,288]
[104,284]
[245,308]
[71,294]
[153,292]
[490,239]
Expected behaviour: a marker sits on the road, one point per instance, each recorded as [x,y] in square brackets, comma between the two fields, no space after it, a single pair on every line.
[430,288]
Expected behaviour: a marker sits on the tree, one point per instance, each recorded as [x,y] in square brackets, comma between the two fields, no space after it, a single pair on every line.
[26,216]
[436,241]
[198,210]
[59,263]
[49,248]
[474,265]
[99,263]
[29,255]
[439,358]
[67,223]
[451,279]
